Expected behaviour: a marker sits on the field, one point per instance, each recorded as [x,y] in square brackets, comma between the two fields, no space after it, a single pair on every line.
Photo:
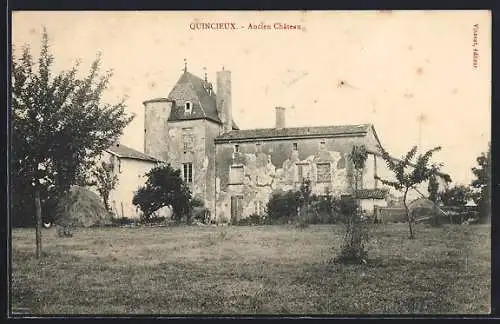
[251,270]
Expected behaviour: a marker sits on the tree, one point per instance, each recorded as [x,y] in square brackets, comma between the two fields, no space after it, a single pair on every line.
[409,174]
[105,180]
[59,125]
[164,187]
[353,248]
[358,157]
[433,189]
[456,196]
[482,184]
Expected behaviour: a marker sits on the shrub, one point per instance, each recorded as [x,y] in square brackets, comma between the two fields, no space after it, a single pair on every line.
[115,222]
[353,247]
[347,208]
[356,234]
[283,205]
[153,220]
[164,187]
[325,209]
[253,219]
[302,223]
[196,202]
[198,211]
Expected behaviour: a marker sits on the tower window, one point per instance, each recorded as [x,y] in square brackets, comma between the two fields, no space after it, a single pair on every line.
[188,107]
[236,148]
[188,139]
[187,172]
[295,146]
[322,145]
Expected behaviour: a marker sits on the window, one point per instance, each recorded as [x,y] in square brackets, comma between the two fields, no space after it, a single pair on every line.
[187,172]
[323,172]
[259,207]
[188,107]
[302,171]
[188,139]
[257,147]
[295,147]
[341,163]
[236,148]
[236,174]
[322,145]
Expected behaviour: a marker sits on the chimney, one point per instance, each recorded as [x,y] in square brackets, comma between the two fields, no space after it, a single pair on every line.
[223,99]
[280,117]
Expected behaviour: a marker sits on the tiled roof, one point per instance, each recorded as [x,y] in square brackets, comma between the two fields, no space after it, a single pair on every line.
[376,193]
[251,134]
[126,152]
[204,104]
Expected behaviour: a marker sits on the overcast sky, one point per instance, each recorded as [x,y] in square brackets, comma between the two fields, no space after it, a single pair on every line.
[339,68]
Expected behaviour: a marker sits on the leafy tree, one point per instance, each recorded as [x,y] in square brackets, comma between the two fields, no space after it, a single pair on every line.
[482,184]
[105,180]
[59,124]
[164,187]
[409,174]
[456,196]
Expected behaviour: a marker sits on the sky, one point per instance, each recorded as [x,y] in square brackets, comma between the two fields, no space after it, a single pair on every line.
[409,73]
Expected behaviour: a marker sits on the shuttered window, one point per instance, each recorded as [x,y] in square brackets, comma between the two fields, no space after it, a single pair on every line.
[236,174]
[323,172]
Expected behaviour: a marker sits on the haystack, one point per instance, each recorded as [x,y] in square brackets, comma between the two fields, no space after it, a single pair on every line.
[82,208]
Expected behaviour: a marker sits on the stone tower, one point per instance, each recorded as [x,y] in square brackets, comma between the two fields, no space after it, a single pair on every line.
[181,129]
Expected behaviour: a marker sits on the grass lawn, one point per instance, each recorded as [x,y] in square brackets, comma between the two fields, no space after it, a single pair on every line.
[249,270]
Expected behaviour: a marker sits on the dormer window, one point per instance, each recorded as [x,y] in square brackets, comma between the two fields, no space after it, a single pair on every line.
[188,107]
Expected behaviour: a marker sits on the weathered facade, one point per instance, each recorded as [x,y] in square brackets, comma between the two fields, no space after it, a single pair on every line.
[236,171]
[252,164]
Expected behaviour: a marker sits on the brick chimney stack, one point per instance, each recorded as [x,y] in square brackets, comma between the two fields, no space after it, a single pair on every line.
[280,117]
[224,102]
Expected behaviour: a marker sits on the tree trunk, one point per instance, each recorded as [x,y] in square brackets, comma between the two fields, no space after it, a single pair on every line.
[38,223]
[408,216]
[106,204]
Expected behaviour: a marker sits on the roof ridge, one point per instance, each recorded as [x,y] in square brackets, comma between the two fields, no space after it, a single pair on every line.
[190,75]
[297,127]
[116,152]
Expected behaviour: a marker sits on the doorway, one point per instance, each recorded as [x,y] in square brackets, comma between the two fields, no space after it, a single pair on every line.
[236,208]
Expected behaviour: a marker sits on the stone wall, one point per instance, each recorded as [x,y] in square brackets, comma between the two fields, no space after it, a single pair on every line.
[268,166]
[195,153]
[156,127]
[212,130]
